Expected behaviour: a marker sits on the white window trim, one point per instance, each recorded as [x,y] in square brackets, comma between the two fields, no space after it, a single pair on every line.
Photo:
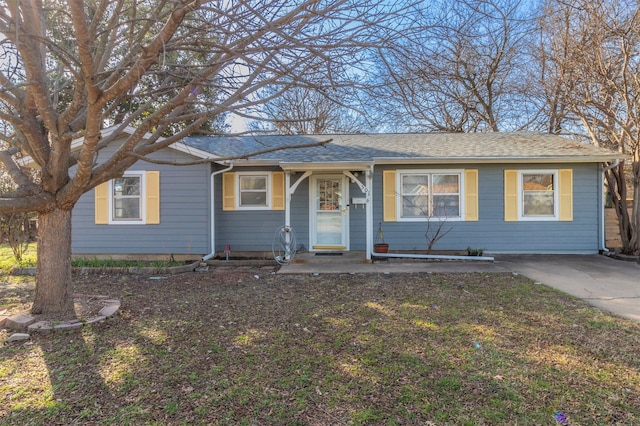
[401,172]
[143,207]
[238,191]
[556,196]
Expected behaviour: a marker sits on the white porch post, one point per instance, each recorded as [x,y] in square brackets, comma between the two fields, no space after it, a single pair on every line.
[287,199]
[366,190]
[287,214]
[369,211]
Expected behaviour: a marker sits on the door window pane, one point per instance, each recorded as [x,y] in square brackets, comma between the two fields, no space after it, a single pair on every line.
[329,194]
[329,228]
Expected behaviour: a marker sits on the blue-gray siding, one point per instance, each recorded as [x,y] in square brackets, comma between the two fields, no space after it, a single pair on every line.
[245,230]
[184,216]
[254,230]
[492,233]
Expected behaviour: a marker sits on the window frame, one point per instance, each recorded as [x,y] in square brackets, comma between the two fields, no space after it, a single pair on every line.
[556,195]
[430,172]
[238,195]
[143,207]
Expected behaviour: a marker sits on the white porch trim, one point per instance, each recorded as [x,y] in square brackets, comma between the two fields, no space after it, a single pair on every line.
[346,168]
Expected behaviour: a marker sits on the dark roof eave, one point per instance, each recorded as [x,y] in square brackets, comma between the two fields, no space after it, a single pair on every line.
[364,164]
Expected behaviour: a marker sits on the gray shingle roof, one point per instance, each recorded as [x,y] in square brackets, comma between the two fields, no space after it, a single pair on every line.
[419,147]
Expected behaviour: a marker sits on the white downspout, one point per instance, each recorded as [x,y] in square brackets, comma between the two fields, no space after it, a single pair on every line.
[603,240]
[213,213]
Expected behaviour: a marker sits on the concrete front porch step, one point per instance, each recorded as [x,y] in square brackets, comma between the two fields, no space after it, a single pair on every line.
[346,257]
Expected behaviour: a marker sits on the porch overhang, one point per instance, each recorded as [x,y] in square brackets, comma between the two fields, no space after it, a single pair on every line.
[347,168]
[326,166]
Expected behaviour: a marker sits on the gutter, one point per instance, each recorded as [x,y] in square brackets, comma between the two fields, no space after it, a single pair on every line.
[603,240]
[494,160]
[213,213]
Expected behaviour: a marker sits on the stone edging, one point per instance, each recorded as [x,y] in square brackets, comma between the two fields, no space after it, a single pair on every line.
[28,323]
[172,270]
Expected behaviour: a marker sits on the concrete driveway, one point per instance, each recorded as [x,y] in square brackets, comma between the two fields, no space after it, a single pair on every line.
[610,284]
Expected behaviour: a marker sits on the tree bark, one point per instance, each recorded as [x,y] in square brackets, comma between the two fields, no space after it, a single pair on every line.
[54,288]
[618,190]
[635,208]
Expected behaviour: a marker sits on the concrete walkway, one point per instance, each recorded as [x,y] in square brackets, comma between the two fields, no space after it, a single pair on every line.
[612,285]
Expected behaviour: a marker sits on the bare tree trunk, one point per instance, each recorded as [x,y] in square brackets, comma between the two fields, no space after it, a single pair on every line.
[54,288]
[635,210]
[618,190]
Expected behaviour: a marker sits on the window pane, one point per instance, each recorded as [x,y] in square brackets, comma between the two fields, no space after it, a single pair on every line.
[445,184]
[253,198]
[538,203]
[128,185]
[415,206]
[446,206]
[126,198]
[537,194]
[537,182]
[258,183]
[126,208]
[253,191]
[415,184]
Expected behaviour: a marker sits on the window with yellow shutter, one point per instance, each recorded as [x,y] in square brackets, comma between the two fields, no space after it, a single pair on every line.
[539,195]
[132,199]
[417,195]
[256,190]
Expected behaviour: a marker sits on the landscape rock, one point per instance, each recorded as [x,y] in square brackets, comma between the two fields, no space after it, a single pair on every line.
[68,325]
[3,320]
[19,322]
[40,326]
[94,320]
[16,337]
[109,310]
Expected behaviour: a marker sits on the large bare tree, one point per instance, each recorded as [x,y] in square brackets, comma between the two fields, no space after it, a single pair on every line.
[591,52]
[462,72]
[304,110]
[70,68]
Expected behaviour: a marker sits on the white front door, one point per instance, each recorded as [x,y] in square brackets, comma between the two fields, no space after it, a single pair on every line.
[329,213]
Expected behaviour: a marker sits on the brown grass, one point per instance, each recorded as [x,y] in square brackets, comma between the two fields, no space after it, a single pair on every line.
[250,347]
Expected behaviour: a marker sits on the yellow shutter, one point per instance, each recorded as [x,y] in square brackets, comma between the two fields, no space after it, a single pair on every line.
[389,195]
[277,191]
[152,194]
[229,191]
[471,195]
[510,195]
[565,194]
[102,203]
